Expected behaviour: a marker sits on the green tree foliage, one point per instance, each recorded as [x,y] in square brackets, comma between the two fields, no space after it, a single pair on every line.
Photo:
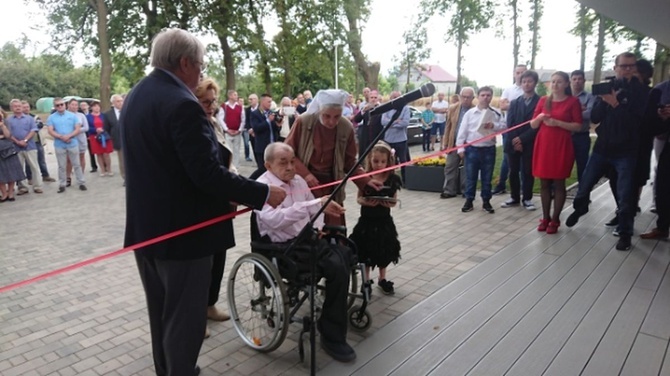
[414,51]
[467,17]
[48,75]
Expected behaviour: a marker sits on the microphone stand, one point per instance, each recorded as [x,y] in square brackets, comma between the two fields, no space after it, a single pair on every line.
[308,235]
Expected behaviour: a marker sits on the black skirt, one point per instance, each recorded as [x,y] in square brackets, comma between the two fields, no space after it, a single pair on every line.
[376,239]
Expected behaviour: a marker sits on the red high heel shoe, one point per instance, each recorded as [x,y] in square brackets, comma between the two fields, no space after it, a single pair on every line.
[544,223]
[552,228]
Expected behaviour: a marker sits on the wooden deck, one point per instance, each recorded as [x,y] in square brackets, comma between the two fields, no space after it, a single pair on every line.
[565,304]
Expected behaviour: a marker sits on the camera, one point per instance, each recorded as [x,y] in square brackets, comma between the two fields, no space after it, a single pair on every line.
[612,84]
[278,117]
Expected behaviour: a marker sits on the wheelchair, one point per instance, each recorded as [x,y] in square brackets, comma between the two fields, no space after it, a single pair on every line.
[267,287]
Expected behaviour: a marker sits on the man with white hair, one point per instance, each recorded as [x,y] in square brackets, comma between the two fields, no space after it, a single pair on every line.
[176,178]
[454,177]
[112,125]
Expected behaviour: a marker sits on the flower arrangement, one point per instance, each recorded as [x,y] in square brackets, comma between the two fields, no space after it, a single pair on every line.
[434,161]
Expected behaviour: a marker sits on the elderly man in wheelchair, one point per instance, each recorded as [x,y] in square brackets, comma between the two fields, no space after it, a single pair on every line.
[277,228]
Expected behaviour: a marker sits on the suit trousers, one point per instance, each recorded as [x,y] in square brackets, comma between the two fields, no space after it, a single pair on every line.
[454,182]
[521,163]
[662,184]
[176,292]
[235,143]
[29,157]
[218,265]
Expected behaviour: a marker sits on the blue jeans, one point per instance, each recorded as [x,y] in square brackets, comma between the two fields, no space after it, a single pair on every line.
[245,141]
[479,161]
[596,168]
[582,144]
[438,128]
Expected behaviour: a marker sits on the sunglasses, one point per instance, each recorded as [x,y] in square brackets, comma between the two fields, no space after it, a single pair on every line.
[59,104]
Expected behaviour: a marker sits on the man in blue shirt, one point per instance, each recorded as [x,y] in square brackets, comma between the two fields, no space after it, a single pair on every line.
[396,134]
[64,127]
[23,128]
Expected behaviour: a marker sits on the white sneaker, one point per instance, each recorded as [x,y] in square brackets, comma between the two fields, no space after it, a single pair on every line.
[509,203]
[528,204]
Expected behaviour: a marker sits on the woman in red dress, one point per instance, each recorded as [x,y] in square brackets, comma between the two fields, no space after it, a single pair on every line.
[556,115]
[101,142]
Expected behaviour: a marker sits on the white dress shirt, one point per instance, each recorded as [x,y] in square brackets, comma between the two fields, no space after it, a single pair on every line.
[437,105]
[511,93]
[468,131]
[285,222]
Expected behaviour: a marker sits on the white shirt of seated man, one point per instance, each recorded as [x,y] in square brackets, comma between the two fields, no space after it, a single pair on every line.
[285,222]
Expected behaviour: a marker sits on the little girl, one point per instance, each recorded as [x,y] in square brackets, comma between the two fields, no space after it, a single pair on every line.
[375,234]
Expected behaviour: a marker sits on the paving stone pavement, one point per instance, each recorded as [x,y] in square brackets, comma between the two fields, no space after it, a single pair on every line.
[93,321]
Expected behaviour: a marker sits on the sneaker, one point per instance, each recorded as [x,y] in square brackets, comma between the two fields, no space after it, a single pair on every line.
[386,286]
[616,232]
[528,204]
[614,222]
[624,243]
[22,191]
[446,195]
[83,188]
[48,179]
[509,203]
[653,209]
[467,207]
[487,207]
[574,218]
[61,189]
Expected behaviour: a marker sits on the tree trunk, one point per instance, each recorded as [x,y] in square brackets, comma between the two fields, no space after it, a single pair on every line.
[105,56]
[600,50]
[228,61]
[582,37]
[459,52]
[409,71]
[282,44]
[516,43]
[535,28]
[369,72]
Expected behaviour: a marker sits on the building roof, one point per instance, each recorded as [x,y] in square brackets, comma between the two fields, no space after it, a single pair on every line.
[435,73]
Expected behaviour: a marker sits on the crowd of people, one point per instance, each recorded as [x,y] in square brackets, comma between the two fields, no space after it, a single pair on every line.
[171,130]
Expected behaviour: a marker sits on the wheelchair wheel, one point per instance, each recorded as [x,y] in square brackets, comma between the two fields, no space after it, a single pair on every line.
[359,321]
[257,302]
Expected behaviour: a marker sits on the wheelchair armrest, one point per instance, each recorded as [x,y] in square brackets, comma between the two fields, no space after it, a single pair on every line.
[332,229]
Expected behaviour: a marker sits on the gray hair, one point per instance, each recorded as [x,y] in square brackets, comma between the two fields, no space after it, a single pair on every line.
[170,45]
[273,148]
[14,101]
[115,96]
[468,88]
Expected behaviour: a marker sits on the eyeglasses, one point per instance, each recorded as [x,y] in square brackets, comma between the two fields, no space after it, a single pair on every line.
[59,104]
[208,103]
[626,66]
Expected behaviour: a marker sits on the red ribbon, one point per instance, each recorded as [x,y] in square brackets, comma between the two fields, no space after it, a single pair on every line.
[228,216]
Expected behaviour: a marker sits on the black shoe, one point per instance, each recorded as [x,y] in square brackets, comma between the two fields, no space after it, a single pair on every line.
[61,189]
[69,182]
[467,207]
[340,351]
[614,222]
[196,371]
[446,195]
[499,191]
[386,286]
[82,187]
[94,170]
[574,218]
[624,243]
[488,208]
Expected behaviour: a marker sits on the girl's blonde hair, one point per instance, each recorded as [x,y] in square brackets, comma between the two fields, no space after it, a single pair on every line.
[205,85]
[380,147]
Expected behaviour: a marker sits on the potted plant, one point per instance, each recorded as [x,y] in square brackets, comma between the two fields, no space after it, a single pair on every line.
[425,174]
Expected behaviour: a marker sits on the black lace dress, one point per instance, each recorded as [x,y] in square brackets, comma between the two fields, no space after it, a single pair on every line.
[375,234]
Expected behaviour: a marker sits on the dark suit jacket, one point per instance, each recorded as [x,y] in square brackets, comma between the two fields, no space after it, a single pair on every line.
[174,173]
[262,130]
[112,127]
[518,113]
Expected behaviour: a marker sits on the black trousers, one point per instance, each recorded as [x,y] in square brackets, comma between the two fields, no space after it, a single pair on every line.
[662,186]
[218,264]
[521,164]
[94,165]
[176,292]
[335,266]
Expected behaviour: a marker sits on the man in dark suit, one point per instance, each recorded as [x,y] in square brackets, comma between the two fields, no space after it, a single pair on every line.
[520,142]
[266,131]
[248,132]
[175,179]
[112,127]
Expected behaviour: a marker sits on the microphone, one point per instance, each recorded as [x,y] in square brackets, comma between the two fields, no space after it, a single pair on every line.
[424,91]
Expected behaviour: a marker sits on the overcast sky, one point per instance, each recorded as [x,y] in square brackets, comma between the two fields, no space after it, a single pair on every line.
[488,59]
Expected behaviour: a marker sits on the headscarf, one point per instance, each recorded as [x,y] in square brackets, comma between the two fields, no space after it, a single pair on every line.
[327,97]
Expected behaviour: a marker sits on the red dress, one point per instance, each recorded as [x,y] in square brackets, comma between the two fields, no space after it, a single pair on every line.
[96,146]
[554,155]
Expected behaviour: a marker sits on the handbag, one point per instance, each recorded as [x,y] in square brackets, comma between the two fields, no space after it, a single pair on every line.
[6,149]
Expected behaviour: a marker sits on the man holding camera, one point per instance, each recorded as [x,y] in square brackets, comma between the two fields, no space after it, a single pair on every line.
[265,125]
[618,109]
